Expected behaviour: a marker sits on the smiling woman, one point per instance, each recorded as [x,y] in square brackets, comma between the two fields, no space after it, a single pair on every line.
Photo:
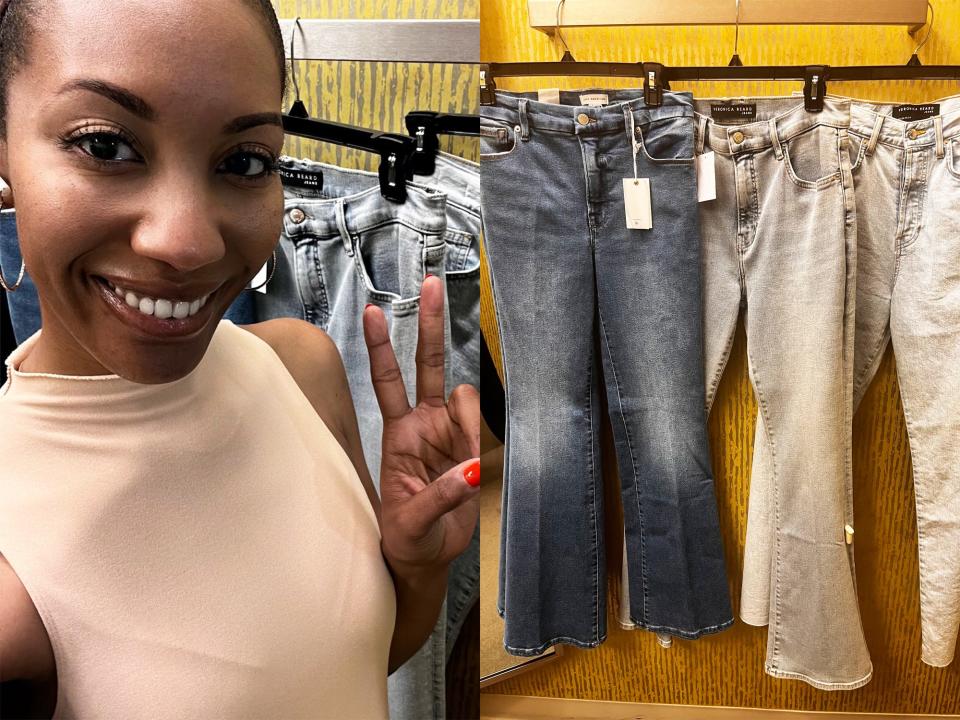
[188,527]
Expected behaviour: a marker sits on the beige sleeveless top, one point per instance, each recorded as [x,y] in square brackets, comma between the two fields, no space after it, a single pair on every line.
[196,549]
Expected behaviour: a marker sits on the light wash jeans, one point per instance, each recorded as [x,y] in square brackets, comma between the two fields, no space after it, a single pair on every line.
[344,246]
[780,245]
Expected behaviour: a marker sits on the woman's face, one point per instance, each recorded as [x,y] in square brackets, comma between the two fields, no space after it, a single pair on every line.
[140,135]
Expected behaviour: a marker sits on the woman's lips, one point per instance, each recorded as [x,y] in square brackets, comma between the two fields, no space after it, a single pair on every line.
[151,324]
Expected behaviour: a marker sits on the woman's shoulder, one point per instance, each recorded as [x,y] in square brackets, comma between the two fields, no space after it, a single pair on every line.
[313,361]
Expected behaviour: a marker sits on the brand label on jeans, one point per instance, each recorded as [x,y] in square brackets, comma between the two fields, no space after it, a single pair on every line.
[915,112]
[301,178]
[734,111]
[636,203]
[594,99]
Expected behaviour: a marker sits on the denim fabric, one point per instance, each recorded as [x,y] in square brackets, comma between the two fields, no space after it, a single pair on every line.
[779,242]
[24,303]
[345,246]
[565,267]
[907,177]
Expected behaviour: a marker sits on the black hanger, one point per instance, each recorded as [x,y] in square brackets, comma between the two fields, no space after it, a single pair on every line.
[657,77]
[425,126]
[396,151]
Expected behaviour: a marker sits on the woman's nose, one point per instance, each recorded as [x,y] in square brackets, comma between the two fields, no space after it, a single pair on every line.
[182,231]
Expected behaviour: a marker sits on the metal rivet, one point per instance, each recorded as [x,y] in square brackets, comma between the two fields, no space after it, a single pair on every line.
[583,118]
[298,215]
[738,137]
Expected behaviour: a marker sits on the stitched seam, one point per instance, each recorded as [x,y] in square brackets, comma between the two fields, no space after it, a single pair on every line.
[593,486]
[567,640]
[685,634]
[633,461]
[768,432]
[852,685]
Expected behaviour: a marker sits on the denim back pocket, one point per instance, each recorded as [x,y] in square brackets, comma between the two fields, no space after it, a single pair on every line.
[812,157]
[667,140]
[498,139]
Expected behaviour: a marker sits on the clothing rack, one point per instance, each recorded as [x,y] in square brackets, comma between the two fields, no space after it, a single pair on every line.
[657,77]
[547,15]
[428,41]
[450,41]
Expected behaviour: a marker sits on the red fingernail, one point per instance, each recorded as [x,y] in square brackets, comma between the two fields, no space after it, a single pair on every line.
[368,305]
[428,275]
[472,473]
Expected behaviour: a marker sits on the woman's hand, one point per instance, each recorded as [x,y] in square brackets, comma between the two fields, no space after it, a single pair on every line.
[430,472]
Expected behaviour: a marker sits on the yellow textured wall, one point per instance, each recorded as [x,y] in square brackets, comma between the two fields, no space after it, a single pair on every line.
[727,669]
[379,94]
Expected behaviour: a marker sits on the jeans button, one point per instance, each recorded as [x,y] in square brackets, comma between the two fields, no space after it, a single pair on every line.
[583,118]
[297,215]
[738,137]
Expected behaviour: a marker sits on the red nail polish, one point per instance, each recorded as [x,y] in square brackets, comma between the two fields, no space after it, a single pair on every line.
[428,275]
[472,473]
[368,305]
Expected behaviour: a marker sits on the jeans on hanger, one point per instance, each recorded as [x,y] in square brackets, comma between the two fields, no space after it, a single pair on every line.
[343,246]
[24,303]
[907,176]
[780,245]
[565,267]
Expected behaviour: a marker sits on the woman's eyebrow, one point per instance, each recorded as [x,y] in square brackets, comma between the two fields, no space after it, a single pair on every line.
[141,108]
[123,97]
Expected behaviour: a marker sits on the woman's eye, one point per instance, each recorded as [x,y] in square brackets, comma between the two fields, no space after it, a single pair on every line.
[248,164]
[106,147]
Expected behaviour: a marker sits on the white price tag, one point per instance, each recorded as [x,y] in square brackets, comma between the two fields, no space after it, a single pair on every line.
[636,203]
[706,177]
[260,279]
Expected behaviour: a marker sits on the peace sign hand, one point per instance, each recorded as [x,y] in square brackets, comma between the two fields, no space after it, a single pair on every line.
[429,472]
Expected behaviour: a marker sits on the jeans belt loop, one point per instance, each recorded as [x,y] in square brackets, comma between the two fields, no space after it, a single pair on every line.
[341,215]
[775,139]
[938,129]
[701,133]
[524,120]
[872,144]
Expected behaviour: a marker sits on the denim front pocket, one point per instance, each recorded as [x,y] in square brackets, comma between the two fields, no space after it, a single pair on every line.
[497,139]
[812,157]
[667,140]
[953,157]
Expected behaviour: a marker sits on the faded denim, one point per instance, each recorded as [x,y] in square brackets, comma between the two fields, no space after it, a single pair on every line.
[565,268]
[780,244]
[344,246]
[907,177]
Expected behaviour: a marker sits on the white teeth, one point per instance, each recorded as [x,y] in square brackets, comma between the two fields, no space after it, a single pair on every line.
[160,307]
[163,309]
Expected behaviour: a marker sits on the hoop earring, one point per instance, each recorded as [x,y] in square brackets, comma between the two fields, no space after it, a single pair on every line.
[269,275]
[3,282]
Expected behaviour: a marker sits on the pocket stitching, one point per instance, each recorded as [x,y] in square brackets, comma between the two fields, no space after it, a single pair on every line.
[664,161]
[951,152]
[820,183]
[515,130]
